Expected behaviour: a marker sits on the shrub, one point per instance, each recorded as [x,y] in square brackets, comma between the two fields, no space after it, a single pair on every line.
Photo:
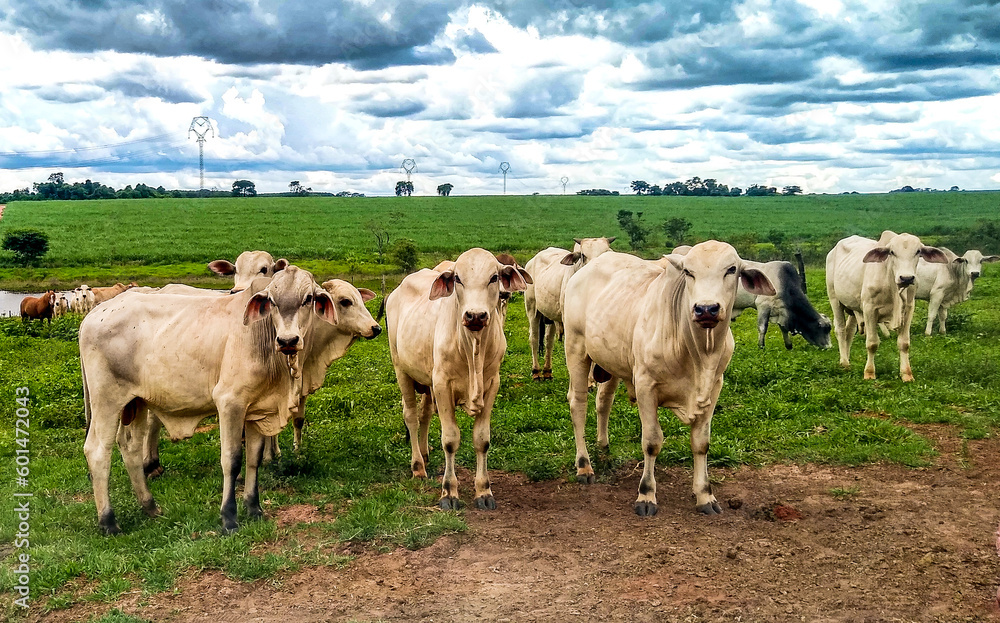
[28,245]
[405,254]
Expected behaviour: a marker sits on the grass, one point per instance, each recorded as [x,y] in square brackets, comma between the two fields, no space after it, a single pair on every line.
[775,406]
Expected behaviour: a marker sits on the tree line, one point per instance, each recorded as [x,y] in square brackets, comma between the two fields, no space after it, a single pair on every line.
[697,187]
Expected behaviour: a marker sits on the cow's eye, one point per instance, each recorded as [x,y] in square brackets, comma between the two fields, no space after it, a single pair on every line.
[346,302]
[458,281]
[731,271]
[493,279]
[263,270]
[688,273]
[308,300]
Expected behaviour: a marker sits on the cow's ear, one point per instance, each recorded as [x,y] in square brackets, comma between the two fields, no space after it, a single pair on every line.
[280,265]
[512,280]
[933,255]
[677,261]
[961,260]
[991,258]
[324,307]
[876,255]
[366,294]
[258,308]
[571,258]
[578,240]
[443,286]
[222,267]
[756,282]
[612,239]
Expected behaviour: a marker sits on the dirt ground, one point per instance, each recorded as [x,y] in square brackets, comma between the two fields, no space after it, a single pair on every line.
[909,545]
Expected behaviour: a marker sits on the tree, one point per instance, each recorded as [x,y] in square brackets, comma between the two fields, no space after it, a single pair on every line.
[57,178]
[636,231]
[676,229]
[244,188]
[28,245]
[445,189]
[756,190]
[296,188]
[404,188]
[381,231]
[405,254]
[640,187]
[791,190]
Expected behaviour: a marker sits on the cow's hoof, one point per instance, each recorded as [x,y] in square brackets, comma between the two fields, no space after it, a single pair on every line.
[229,526]
[536,375]
[486,503]
[110,530]
[645,509]
[151,509]
[450,504]
[546,375]
[710,508]
[153,470]
[255,513]
[586,479]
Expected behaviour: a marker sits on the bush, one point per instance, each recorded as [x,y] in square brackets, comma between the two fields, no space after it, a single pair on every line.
[405,254]
[28,245]
[632,224]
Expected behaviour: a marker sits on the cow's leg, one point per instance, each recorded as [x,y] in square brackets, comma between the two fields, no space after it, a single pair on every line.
[903,338]
[231,421]
[550,341]
[426,411]
[763,319]
[536,327]
[605,398]
[701,433]
[151,452]
[942,317]
[451,436]
[132,444]
[255,456]
[481,439]
[578,366]
[98,449]
[411,416]
[843,324]
[871,341]
[933,305]
[652,442]
[786,337]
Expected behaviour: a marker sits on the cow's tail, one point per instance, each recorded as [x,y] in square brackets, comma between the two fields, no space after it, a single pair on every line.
[86,398]
[540,319]
[381,311]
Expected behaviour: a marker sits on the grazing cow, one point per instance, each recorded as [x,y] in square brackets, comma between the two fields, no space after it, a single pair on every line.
[446,342]
[790,308]
[186,358]
[662,328]
[38,307]
[874,282]
[944,285]
[249,265]
[550,270]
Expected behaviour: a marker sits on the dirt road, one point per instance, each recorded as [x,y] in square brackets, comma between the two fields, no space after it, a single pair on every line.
[894,544]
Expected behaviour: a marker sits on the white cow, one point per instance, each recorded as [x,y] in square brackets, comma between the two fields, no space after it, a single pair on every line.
[944,285]
[662,328]
[875,281]
[189,357]
[249,265]
[446,342]
[550,270]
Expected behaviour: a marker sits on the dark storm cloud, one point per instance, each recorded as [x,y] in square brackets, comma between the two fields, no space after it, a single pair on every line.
[392,107]
[543,96]
[144,87]
[370,35]
[66,94]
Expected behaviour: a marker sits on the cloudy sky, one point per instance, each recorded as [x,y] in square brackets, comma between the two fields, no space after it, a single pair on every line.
[831,95]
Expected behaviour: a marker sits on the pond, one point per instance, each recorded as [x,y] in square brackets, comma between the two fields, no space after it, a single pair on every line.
[10,302]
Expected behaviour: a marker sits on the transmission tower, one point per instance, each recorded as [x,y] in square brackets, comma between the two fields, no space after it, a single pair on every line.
[564,180]
[201,126]
[409,166]
[504,168]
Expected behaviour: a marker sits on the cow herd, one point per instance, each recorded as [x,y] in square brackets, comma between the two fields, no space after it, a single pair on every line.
[169,357]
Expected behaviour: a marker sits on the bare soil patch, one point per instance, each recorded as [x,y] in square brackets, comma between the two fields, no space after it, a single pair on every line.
[895,544]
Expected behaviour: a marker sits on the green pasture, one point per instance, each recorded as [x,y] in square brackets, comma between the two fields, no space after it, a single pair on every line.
[99,234]
[776,406]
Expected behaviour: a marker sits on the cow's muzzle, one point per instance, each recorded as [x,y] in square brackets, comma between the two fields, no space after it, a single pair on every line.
[475,321]
[707,316]
[907,281]
[288,345]
[376,330]
[973,276]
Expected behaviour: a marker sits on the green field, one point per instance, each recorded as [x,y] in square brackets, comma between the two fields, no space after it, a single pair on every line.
[171,231]
[354,468]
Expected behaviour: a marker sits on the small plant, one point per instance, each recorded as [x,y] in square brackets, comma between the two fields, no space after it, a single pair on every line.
[28,245]
[634,228]
[841,493]
[676,230]
[405,254]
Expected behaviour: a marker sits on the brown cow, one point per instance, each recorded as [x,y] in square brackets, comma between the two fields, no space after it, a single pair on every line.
[38,307]
[106,294]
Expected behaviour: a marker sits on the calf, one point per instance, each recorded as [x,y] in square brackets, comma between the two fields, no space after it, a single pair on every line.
[186,358]
[944,285]
[876,280]
[550,270]
[663,329]
[446,342]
